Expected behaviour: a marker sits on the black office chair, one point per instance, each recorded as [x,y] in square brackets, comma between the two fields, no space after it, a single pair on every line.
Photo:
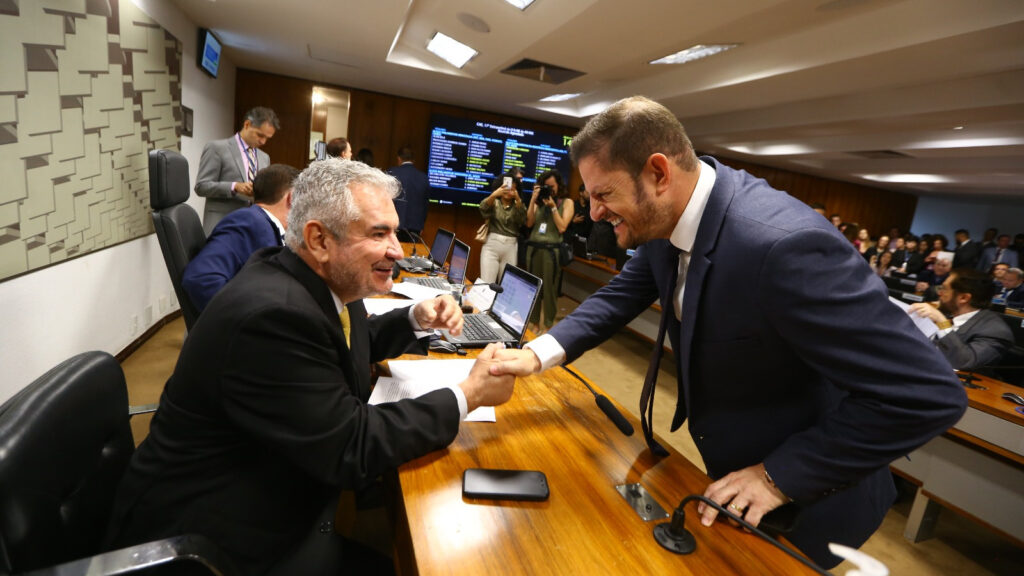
[66,442]
[177,225]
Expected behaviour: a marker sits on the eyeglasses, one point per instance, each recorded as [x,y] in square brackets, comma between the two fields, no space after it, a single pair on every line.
[941,288]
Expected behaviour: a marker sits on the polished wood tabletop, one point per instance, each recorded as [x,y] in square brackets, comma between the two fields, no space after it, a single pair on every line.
[552,424]
[989,398]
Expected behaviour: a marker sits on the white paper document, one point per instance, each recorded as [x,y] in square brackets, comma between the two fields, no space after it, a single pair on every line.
[925,325]
[479,296]
[414,378]
[384,305]
[417,292]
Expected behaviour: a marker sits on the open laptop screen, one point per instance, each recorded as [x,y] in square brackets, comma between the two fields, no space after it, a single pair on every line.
[460,258]
[442,243]
[513,305]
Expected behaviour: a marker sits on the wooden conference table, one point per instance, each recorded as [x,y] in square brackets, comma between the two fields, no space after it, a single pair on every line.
[552,424]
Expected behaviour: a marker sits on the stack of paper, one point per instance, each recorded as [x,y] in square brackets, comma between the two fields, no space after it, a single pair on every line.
[414,378]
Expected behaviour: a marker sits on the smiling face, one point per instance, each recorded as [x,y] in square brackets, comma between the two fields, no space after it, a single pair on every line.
[363,256]
[616,198]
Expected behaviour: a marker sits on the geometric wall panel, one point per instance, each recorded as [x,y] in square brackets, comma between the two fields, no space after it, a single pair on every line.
[87,88]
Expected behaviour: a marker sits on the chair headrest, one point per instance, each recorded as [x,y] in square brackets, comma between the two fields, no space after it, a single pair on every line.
[168,179]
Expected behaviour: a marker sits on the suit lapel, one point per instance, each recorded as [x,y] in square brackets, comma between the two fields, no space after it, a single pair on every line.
[236,155]
[696,274]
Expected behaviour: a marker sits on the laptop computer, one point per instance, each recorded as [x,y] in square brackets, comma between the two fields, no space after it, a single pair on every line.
[438,254]
[456,270]
[506,320]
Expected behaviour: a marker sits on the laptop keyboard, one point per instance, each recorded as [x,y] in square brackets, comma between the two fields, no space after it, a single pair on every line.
[476,328]
[415,262]
[436,283]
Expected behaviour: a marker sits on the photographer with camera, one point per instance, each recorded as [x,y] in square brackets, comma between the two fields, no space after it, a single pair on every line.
[548,216]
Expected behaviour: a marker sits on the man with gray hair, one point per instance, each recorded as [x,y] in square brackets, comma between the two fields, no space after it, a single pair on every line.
[265,418]
[1012,292]
[228,167]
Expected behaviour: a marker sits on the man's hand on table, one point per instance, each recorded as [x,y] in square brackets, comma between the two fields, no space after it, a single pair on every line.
[483,387]
[747,494]
[515,362]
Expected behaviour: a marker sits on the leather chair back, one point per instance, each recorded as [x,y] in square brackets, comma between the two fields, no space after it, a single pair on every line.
[177,225]
[65,442]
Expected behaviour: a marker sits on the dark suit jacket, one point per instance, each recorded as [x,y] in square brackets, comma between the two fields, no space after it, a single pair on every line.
[412,204]
[1015,297]
[981,341]
[967,256]
[265,418]
[232,242]
[220,166]
[789,353]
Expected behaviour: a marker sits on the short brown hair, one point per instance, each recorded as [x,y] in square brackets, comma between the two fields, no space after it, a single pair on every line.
[626,134]
[272,183]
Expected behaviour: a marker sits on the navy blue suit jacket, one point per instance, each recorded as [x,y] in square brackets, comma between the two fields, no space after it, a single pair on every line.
[236,237]
[412,204]
[789,353]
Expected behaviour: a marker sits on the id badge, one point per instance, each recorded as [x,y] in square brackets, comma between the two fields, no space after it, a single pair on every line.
[543,228]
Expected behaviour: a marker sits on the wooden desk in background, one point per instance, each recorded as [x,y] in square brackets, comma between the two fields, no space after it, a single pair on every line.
[976,468]
[553,425]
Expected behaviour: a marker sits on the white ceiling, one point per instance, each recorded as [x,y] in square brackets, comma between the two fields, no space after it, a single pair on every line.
[812,83]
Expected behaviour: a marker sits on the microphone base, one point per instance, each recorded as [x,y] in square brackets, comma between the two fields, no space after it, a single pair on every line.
[683,543]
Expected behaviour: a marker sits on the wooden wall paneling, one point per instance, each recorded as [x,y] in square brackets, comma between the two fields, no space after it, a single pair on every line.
[291,99]
[370,120]
[411,127]
[319,123]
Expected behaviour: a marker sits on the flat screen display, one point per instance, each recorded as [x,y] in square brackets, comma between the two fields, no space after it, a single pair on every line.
[208,56]
[466,155]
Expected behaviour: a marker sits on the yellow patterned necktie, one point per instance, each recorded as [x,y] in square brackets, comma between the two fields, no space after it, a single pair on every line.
[346,325]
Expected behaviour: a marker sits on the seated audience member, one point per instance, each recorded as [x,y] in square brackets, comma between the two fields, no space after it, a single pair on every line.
[898,244]
[910,261]
[864,243]
[928,281]
[339,148]
[241,233]
[1001,252]
[969,336]
[264,420]
[881,246]
[882,264]
[998,270]
[1012,291]
[836,220]
[938,245]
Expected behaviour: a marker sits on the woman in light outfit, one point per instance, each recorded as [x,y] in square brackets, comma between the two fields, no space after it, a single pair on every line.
[505,213]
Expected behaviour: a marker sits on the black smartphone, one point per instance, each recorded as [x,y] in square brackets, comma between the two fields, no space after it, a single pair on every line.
[504,484]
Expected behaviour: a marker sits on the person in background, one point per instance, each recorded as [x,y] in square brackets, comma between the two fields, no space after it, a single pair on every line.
[969,336]
[881,246]
[339,148]
[782,405]
[938,245]
[882,264]
[581,222]
[241,233]
[911,261]
[412,203]
[505,214]
[548,217]
[1001,252]
[928,281]
[265,419]
[819,208]
[1011,288]
[989,238]
[967,251]
[836,220]
[898,244]
[365,155]
[864,242]
[228,167]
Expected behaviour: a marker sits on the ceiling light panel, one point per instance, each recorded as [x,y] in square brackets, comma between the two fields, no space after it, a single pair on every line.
[521,4]
[561,97]
[694,53]
[451,50]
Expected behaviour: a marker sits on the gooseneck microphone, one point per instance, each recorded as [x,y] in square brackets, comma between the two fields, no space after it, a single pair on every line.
[674,536]
[496,288]
[606,406]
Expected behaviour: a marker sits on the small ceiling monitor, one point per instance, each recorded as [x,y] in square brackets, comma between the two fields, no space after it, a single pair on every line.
[208,55]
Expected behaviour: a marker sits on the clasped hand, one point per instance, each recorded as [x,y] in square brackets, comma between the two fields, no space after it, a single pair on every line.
[442,313]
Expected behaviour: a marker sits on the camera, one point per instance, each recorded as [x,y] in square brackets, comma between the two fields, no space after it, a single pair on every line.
[544,193]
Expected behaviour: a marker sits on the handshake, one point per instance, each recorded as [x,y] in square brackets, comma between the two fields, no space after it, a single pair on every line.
[493,376]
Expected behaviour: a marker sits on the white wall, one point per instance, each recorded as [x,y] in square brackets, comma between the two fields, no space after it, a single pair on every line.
[105,300]
[944,216]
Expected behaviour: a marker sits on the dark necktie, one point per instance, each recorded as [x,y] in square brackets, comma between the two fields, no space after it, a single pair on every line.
[251,153]
[999,255]
[647,394]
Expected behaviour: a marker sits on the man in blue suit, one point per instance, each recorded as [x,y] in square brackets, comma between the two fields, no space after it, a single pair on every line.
[241,233]
[799,380]
[411,205]
[1000,253]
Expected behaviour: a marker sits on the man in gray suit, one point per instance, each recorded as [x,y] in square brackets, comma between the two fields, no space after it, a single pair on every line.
[969,336]
[228,167]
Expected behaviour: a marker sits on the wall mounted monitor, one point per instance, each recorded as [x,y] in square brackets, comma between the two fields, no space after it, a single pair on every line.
[208,54]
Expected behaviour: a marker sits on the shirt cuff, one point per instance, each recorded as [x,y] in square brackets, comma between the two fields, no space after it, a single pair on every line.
[460,397]
[419,332]
[233,193]
[548,351]
[942,333]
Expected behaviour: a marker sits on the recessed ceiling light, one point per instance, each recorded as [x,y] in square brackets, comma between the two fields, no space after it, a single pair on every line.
[451,50]
[958,127]
[521,4]
[908,178]
[694,53]
[560,97]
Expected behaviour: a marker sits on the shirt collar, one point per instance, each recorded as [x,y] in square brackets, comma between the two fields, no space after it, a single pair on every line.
[274,221]
[685,232]
[962,319]
[338,304]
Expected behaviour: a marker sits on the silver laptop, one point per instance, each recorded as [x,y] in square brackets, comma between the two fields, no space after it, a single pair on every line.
[456,270]
[506,320]
[438,254]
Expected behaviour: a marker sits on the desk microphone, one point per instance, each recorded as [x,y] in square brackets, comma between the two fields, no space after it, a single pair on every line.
[430,258]
[606,406]
[496,288]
